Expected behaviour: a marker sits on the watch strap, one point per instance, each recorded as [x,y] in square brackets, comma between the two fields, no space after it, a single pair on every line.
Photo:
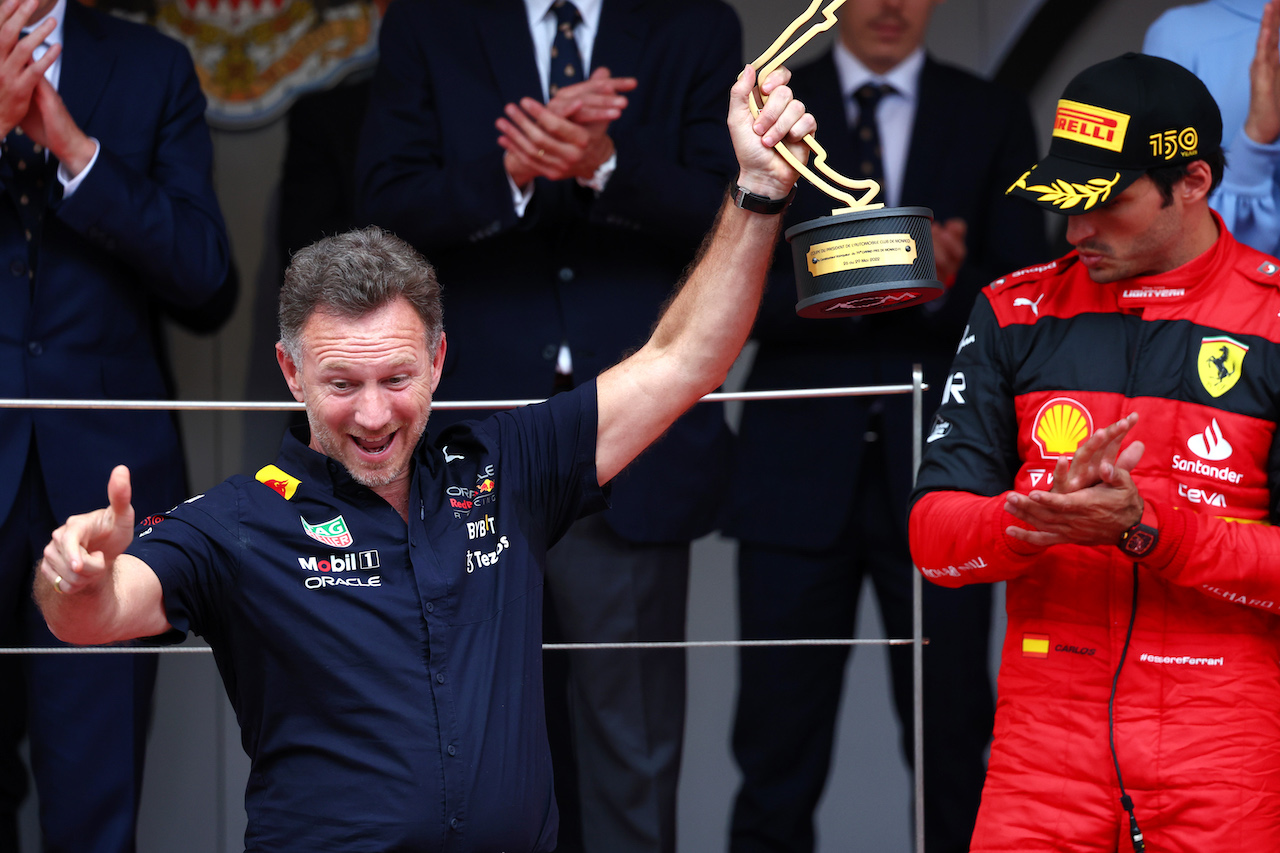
[757,203]
[1140,540]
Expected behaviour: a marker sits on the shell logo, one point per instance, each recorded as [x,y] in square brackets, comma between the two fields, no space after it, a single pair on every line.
[1060,426]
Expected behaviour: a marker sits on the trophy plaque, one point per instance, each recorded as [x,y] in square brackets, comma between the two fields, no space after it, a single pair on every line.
[864,258]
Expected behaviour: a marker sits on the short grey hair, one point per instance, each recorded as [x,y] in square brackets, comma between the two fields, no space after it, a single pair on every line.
[355,274]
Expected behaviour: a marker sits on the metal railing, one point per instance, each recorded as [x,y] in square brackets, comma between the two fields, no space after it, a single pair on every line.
[915,389]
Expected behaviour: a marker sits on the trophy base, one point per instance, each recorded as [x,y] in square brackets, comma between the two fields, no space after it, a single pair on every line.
[864,262]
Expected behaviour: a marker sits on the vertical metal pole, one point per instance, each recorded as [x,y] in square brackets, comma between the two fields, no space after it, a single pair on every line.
[917,614]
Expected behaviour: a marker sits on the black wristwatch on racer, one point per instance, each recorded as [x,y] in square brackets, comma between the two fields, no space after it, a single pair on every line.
[1140,539]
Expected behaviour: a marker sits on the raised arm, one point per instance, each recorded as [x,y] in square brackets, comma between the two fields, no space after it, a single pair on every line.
[89,591]
[706,323]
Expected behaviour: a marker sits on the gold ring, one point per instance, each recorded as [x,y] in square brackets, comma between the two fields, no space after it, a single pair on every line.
[57,582]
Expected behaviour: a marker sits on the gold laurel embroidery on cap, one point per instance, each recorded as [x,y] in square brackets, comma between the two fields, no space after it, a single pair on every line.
[1064,195]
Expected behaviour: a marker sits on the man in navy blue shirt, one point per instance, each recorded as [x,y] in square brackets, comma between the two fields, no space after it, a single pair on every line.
[373,602]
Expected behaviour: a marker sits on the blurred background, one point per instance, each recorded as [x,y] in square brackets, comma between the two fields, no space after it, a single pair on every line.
[196,769]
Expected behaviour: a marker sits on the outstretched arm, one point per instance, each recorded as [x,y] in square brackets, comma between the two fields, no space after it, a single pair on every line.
[707,322]
[89,590]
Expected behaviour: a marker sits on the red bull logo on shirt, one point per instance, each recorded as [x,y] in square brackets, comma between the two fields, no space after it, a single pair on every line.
[333,533]
[282,481]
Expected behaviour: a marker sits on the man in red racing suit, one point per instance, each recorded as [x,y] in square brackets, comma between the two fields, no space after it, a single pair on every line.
[1143,585]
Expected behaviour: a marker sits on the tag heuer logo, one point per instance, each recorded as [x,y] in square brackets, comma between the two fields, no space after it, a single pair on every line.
[333,533]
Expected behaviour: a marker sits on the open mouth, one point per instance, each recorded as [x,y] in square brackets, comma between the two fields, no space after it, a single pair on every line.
[374,446]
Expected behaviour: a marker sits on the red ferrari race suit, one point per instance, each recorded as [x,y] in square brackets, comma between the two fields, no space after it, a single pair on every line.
[1048,357]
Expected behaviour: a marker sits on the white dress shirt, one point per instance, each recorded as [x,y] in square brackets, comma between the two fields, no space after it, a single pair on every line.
[894,115]
[542,26]
[54,74]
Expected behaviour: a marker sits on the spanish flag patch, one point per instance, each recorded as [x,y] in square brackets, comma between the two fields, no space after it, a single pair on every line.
[1035,645]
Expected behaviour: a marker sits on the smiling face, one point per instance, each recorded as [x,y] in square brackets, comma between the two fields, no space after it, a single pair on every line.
[367,384]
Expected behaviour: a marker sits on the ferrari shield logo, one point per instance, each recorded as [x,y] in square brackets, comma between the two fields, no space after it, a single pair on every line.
[1220,361]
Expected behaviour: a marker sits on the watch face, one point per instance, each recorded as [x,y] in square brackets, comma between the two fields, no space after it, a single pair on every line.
[1139,542]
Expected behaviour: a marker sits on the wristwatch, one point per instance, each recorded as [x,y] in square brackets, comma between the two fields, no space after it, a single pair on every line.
[761,204]
[1140,540]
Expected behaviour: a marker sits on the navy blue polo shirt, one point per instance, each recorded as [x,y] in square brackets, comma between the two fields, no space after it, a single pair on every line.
[388,680]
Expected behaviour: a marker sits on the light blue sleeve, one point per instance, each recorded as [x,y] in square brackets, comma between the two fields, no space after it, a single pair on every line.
[1249,197]
[1217,47]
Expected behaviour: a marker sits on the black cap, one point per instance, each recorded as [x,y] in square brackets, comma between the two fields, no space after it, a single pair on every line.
[1116,120]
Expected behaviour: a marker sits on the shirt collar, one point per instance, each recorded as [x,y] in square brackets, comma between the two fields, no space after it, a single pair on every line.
[1181,283]
[539,9]
[58,12]
[903,77]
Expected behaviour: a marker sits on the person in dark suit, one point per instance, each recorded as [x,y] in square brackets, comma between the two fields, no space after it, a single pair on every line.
[818,501]
[107,220]
[559,207]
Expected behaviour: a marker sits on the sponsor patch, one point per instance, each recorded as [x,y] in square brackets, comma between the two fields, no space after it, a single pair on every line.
[477,559]
[285,484]
[941,429]
[333,532]
[1060,426]
[1024,302]
[1090,125]
[1038,474]
[1239,597]
[954,571]
[1220,361]
[483,527]
[1153,293]
[1173,143]
[1202,496]
[364,561]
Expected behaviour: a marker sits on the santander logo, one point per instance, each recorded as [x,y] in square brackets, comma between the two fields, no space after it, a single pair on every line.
[1210,444]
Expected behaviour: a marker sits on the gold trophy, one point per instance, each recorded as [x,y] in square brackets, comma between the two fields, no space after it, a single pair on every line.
[863,258]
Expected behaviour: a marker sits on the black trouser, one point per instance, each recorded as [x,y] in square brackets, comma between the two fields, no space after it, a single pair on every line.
[788,699]
[85,715]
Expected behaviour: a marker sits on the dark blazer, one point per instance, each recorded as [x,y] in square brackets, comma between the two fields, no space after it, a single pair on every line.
[797,462]
[577,268]
[142,234]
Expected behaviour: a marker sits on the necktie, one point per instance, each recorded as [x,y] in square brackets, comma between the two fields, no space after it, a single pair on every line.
[28,184]
[566,61]
[866,133]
